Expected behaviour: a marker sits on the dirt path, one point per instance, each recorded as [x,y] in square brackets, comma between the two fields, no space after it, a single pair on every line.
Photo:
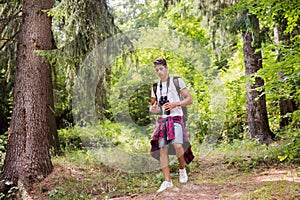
[215,181]
[210,179]
[229,190]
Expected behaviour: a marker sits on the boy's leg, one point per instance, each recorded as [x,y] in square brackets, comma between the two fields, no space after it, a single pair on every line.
[180,154]
[177,143]
[164,162]
[183,178]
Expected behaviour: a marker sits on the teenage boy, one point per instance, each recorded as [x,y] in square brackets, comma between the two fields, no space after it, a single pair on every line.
[169,133]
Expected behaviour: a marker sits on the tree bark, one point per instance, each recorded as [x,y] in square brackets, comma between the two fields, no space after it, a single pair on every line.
[27,157]
[286,106]
[102,103]
[255,99]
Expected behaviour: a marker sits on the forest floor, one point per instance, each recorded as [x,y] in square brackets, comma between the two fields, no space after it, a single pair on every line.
[209,178]
[215,181]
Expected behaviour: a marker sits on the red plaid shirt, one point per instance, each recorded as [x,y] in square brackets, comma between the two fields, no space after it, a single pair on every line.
[165,128]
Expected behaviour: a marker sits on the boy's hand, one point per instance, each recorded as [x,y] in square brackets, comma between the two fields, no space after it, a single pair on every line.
[154,108]
[170,105]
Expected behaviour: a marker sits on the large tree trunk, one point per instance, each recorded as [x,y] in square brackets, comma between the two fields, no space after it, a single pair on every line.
[255,99]
[27,158]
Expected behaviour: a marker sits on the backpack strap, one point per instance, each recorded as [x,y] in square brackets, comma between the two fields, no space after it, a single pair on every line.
[176,83]
[184,108]
[154,90]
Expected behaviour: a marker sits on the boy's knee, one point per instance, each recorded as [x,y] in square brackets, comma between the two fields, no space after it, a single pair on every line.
[164,150]
[178,147]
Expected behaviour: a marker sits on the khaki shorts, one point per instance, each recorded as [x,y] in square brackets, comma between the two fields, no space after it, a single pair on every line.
[178,136]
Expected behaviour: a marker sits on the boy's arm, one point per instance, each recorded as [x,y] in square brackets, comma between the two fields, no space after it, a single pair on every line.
[187,98]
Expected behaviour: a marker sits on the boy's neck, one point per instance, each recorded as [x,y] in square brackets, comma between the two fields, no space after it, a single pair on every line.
[164,79]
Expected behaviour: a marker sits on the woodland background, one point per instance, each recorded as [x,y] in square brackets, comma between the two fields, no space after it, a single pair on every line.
[240,60]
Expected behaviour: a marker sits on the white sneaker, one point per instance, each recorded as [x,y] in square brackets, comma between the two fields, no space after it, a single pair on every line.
[165,185]
[183,178]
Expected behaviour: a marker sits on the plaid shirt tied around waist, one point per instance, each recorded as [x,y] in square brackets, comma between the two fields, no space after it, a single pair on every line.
[164,128]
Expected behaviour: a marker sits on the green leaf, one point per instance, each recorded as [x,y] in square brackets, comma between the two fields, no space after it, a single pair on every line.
[282,158]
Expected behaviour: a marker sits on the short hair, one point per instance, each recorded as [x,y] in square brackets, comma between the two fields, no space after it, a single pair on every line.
[160,61]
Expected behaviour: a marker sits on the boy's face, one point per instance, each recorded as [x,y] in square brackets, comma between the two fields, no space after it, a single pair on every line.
[161,71]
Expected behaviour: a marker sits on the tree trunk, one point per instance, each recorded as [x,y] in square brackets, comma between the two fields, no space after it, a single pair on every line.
[102,103]
[27,158]
[255,99]
[286,106]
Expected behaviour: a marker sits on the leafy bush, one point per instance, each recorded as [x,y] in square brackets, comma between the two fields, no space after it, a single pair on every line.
[248,154]
[291,150]
[3,142]
[90,136]
[138,109]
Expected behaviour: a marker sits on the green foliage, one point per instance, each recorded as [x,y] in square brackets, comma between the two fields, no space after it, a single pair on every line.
[130,90]
[131,14]
[280,58]
[281,81]
[296,119]
[291,149]
[69,139]
[88,179]
[76,138]
[274,12]
[276,190]
[182,18]
[234,97]
[78,27]
[247,155]
[6,85]
[8,37]
[138,109]
[125,136]
[57,193]
[3,143]
[221,42]
[11,193]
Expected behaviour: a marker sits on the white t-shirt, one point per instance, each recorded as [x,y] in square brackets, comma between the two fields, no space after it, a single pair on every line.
[172,95]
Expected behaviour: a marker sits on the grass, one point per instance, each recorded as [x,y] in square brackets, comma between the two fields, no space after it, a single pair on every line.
[87,178]
[276,190]
[226,170]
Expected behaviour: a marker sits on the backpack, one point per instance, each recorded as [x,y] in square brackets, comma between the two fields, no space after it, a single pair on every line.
[184,108]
